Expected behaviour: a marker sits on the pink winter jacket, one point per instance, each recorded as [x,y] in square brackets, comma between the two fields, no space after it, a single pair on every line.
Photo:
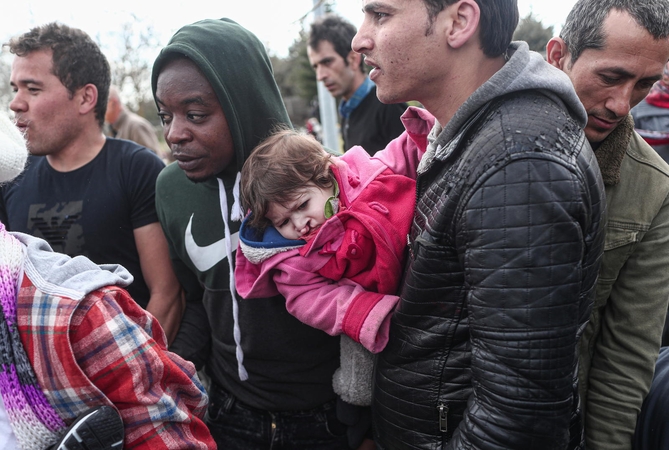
[361,247]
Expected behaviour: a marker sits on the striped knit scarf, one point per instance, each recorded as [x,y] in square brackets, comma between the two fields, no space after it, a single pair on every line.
[35,422]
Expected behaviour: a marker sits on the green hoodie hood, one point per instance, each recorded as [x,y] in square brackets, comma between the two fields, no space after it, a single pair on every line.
[237,66]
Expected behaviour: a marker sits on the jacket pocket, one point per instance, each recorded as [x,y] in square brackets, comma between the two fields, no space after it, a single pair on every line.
[619,244]
[619,237]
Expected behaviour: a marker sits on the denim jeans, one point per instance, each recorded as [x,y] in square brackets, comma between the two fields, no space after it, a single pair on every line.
[235,426]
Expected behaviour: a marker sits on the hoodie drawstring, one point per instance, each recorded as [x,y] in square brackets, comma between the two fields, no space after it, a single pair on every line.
[237,334]
[236,212]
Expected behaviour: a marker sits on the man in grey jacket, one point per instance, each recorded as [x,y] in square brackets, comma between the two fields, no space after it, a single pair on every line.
[121,123]
[614,51]
[506,238]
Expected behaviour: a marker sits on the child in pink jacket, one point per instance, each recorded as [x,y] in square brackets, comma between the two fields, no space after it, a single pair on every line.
[354,232]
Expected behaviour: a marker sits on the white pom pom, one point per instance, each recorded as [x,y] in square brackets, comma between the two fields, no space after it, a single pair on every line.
[13,152]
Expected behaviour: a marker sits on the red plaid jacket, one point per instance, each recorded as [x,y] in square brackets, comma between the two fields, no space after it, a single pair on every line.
[105,350]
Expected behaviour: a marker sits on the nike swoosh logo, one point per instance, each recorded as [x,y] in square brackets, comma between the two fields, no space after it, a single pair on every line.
[204,258]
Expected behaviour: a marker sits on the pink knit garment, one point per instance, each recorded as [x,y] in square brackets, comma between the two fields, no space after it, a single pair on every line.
[34,421]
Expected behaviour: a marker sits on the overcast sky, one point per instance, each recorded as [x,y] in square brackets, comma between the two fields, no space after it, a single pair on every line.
[275,22]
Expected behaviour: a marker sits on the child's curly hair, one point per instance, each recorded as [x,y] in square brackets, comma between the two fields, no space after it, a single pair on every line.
[278,169]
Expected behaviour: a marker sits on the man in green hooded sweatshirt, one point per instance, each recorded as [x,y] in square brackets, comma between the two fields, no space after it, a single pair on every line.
[271,375]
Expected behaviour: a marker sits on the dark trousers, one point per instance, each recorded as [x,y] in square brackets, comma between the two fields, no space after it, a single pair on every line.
[235,426]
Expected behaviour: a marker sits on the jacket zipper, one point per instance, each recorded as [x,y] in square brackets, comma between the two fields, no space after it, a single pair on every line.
[443,418]
[420,188]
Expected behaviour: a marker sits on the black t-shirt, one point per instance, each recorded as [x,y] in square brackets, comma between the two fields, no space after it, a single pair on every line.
[90,211]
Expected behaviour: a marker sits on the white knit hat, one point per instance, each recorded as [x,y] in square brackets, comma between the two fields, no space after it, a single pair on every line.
[13,152]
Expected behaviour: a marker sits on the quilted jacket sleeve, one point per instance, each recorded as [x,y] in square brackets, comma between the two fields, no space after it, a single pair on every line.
[521,237]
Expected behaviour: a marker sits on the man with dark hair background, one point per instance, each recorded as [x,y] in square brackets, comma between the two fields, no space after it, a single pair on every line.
[364,121]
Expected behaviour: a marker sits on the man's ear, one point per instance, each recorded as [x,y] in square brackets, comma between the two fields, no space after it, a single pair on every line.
[465,17]
[87,96]
[353,59]
[557,53]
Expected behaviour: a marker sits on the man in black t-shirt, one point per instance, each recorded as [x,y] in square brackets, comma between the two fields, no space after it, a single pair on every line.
[84,193]
[364,120]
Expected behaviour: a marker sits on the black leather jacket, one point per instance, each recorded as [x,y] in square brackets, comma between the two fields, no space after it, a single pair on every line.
[505,250]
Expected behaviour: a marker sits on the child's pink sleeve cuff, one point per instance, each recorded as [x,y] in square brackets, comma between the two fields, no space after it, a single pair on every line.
[367,319]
